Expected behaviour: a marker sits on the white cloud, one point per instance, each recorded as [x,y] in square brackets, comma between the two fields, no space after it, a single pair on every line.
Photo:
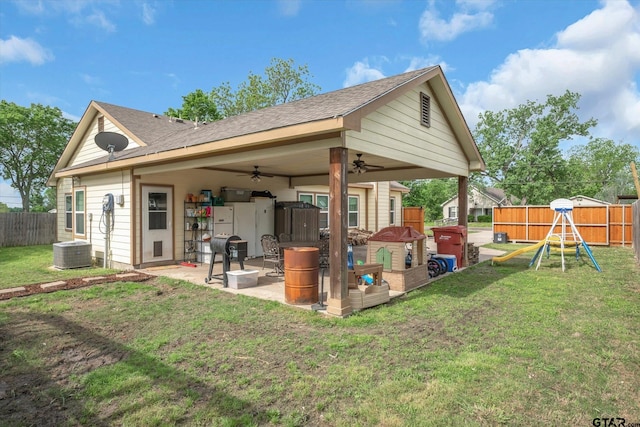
[90,80]
[361,72]
[15,49]
[289,7]
[471,15]
[79,12]
[30,6]
[71,116]
[148,14]
[43,98]
[416,63]
[597,56]
[98,18]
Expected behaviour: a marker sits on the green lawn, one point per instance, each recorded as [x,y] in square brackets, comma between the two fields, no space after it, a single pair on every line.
[491,345]
[24,265]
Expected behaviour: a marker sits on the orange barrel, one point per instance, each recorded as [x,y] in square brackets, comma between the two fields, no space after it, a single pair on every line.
[301,267]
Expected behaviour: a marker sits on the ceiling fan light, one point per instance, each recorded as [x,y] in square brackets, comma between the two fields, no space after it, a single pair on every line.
[255,178]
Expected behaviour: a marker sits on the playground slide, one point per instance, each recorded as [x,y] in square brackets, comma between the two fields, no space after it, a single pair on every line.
[518,252]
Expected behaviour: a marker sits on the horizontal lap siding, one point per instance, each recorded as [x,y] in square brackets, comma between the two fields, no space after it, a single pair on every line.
[115,183]
[64,187]
[397,125]
[88,150]
[598,225]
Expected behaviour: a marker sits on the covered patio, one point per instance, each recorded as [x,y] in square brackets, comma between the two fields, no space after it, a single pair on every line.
[402,127]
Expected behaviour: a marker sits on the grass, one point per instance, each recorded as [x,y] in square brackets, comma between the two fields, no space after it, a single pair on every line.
[491,345]
[24,265]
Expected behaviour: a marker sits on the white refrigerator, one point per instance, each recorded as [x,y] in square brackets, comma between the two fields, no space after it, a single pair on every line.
[251,220]
[221,222]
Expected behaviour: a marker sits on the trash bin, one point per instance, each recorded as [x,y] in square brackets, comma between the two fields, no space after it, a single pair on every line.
[500,238]
[451,240]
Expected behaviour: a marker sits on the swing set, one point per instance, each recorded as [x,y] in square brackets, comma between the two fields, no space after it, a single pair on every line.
[564,239]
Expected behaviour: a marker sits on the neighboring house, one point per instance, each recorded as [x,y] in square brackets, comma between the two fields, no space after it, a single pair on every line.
[587,201]
[410,125]
[480,202]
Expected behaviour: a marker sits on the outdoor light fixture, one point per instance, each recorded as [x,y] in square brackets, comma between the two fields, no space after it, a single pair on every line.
[76,181]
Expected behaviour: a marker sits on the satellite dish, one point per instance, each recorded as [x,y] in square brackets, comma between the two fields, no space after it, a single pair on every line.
[111,142]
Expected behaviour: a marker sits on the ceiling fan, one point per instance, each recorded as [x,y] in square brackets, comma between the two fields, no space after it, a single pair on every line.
[360,166]
[256,175]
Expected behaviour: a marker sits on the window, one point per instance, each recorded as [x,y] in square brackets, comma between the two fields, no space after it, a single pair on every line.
[353,211]
[392,211]
[79,212]
[322,201]
[453,212]
[68,211]
[157,211]
[308,198]
[425,110]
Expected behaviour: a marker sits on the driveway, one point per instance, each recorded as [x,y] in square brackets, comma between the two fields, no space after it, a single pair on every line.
[482,236]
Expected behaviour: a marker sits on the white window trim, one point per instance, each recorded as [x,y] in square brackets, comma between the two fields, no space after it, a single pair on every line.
[357,211]
[77,190]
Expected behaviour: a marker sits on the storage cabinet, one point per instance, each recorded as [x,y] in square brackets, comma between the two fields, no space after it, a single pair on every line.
[297,221]
[197,223]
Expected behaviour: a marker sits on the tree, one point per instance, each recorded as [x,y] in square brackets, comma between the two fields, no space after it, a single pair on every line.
[31,141]
[196,105]
[602,167]
[4,207]
[430,194]
[282,82]
[521,147]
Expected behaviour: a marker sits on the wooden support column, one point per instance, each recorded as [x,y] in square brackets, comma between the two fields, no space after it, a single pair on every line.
[338,303]
[463,210]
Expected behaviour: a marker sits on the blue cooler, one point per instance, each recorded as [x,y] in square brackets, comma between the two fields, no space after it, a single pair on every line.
[449,259]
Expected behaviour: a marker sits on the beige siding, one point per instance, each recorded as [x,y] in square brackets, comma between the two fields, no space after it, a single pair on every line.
[88,150]
[193,181]
[397,195]
[397,125]
[116,183]
[383,205]
[63,188]
[445,208]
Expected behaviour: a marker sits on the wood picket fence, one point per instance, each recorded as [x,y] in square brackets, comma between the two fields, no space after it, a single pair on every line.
[27,228]
[610,225]
[636,230]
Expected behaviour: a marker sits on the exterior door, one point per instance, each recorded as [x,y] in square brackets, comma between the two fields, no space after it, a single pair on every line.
[157,223]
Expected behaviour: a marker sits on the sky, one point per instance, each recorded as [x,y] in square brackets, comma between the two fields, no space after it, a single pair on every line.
[496,54]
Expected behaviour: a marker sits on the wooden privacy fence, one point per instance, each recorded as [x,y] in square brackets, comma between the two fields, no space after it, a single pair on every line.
[610,225]
[414,217]
[27,228]
[636,230]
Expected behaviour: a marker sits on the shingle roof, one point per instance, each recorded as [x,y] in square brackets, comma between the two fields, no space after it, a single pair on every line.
[160,134]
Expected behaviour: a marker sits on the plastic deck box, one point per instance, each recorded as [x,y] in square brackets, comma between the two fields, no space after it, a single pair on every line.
[240,279]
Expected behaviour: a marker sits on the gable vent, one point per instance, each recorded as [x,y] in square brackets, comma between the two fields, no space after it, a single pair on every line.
[425,109]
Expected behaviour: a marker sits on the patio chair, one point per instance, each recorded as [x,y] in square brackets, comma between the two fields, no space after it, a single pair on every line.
[271,254]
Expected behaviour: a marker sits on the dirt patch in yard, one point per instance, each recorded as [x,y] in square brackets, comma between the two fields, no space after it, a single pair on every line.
[75,283]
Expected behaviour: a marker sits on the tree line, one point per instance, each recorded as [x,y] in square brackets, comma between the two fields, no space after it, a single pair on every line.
[522,150]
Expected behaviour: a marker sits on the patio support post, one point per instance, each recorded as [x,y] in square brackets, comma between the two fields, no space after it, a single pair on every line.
[463,209]
[338,303]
